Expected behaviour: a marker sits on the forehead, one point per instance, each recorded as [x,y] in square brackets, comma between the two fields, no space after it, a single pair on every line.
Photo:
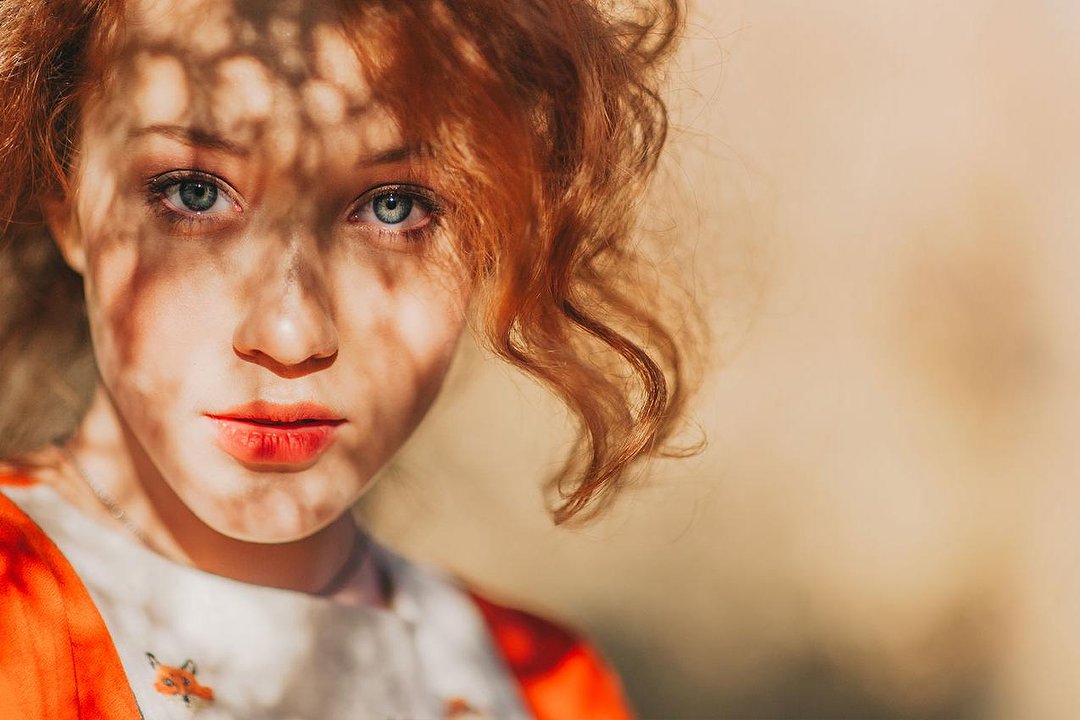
[249,71]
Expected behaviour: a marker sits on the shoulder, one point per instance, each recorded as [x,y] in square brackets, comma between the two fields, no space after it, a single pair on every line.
[22,542]
[561,675]
[14,476]
[57,659]
[550,669]
[31,614]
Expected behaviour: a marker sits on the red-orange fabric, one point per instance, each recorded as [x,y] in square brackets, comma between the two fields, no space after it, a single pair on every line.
[561,677]
[57,661]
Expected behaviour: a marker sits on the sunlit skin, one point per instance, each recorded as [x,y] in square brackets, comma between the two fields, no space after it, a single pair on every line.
[250,227]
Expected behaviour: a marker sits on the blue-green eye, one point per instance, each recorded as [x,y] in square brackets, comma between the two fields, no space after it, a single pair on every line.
[190,193]
[196,195]
[396,209]
[392,208]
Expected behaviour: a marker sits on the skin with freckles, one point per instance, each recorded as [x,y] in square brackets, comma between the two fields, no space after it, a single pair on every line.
[251,229]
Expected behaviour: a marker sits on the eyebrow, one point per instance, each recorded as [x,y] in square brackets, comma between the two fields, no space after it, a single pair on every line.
[393,155]
[209,139]
[191,136]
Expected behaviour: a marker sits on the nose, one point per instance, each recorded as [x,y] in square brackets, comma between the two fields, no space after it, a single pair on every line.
[288,325]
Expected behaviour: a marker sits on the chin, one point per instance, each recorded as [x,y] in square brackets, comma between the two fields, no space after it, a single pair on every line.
[278,509]
[264,504]
[276,524]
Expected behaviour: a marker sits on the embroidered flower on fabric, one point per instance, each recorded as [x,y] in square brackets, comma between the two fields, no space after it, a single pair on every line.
[179,681]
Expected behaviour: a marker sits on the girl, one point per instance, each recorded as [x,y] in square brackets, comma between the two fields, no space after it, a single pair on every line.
[271,221]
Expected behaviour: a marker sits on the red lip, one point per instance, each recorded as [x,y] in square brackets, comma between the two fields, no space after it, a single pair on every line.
[266,434]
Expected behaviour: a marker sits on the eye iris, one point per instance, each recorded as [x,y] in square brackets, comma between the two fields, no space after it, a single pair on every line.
[392,208]
[198,196]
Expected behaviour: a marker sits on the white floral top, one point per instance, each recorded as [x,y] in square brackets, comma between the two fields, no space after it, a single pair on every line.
[251,652]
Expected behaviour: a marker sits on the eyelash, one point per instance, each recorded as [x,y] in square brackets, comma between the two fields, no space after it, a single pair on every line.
[183,222]
[187,221]
[421,196]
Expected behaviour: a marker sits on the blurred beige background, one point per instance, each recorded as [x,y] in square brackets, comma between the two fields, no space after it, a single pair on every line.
[878,199]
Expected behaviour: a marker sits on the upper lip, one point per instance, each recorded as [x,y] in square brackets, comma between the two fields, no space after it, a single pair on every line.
[262,411]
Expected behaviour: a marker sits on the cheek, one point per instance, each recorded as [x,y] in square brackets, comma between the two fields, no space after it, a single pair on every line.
[429,325]
[151,320]
[399,339]
[430,332]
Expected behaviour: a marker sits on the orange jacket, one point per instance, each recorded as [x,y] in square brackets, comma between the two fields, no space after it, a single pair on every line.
[58,662]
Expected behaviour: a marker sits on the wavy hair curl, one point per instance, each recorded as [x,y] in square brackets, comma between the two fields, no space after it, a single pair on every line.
[546,118]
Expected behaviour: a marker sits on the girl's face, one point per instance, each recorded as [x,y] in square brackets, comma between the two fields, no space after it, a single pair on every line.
[270,286]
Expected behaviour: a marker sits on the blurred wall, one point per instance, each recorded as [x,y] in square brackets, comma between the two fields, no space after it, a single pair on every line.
[878,201]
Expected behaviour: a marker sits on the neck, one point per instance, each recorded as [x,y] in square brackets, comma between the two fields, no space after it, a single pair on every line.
[118,472]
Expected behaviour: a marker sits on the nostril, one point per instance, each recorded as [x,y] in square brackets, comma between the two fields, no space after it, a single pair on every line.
[307,366]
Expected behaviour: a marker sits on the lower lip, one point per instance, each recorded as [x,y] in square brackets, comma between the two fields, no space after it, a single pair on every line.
[291,444]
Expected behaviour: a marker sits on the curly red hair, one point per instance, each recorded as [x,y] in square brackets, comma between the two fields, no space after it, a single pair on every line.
[546,120]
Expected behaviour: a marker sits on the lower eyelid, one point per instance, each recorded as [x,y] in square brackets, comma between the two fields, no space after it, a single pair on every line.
[401,229]
[185,222]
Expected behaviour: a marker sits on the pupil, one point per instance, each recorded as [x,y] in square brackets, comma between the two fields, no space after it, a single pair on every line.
[392,209]
[198,196]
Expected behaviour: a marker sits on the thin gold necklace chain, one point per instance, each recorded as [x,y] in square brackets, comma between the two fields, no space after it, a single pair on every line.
[104,498]
[357,553]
